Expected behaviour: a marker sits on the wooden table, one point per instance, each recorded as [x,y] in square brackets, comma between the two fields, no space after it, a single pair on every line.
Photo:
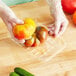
[13,55]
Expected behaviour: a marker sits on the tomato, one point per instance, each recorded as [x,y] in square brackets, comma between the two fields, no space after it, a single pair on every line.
[74,17]
[36,43]
[26,30]
[38,37]
[41,33]
[30,41]
[69,6]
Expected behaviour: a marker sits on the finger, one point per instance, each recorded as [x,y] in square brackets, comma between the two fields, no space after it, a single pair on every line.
[21,41]
[57,28]
[18,41]
[63,28]
[15,20]
[18,21]
[51,30]
[12,23]
[9,26]
[51,27]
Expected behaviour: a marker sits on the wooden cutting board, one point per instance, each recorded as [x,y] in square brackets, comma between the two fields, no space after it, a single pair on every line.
[39,60]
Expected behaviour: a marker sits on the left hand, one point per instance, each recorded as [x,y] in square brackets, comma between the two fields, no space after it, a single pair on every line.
[10,19]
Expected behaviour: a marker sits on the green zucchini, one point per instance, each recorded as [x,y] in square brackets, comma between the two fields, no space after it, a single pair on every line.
[22,72]
[14,74]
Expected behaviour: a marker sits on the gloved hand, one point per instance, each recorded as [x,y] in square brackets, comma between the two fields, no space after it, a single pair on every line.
[9,19]
[61,21]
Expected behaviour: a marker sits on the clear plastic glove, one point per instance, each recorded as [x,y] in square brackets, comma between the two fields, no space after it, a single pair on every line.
[60,25]
[61,21]
[9,19]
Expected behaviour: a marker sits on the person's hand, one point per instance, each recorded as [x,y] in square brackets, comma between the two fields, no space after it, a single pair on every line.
[60,25]
[61,21]
[10,19]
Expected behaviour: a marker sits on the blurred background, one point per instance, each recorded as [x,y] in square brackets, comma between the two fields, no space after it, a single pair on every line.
[15,2]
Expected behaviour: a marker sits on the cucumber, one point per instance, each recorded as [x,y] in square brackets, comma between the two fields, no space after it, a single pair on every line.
[22,72]
[14,74]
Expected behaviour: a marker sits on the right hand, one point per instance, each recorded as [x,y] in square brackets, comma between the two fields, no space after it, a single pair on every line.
[61,21]
[60,25]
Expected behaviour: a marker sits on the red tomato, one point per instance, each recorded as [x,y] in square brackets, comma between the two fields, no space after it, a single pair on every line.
[41,33]
[36,43]
[74,18]
[29,42]
[69,6]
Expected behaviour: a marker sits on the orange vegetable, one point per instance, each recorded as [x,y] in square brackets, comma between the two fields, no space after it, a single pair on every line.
[26,30]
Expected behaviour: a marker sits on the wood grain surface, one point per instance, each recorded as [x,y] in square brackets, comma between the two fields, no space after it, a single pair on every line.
[39,60]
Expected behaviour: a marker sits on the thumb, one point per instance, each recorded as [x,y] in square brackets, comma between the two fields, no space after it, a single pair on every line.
[18,21]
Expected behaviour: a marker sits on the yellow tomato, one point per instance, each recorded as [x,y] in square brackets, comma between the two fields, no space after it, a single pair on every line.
[26,30]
